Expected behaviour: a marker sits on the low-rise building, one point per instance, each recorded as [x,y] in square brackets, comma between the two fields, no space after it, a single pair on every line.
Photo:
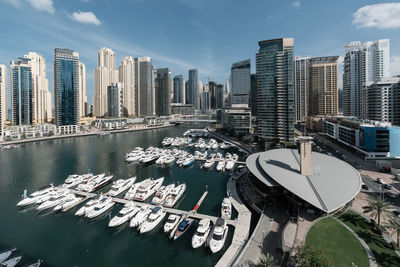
[18,132]
[183,109]
[235,119]
[371,138]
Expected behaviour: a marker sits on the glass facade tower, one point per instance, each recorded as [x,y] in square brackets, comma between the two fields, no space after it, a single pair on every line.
[240,80]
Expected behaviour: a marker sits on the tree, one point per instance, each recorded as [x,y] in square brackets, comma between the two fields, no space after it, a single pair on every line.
[310,256]
[394,224]
[377,208]
[267,260]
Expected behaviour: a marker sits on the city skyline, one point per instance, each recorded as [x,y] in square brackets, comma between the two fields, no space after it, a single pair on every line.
[212,59]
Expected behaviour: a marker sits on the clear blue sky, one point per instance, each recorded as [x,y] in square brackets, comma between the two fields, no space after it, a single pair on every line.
[181,34]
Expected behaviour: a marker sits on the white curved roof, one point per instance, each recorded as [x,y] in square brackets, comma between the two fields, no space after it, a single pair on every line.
[332,184]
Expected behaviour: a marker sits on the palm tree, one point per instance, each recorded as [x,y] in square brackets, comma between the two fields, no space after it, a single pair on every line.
[377,208]
[394,223]
[267,260]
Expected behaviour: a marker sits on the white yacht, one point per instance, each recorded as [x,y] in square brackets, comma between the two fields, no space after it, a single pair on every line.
[221,166]
[4,255]
[140,217]
[188,161]
[200,237]
[222,146]
[226,208]
[172,221]
[120,186]
[147,188]
[161,194]
[229,164]
[228,156]
[209,163]
[169,160]
[96,183]
[11,262]
[134,157]
[102,206]
[75,179]
[132,191]
[53,193]
[219,235]
[69,202]
[54,201]
[125,214]
[89,205]
[35,196]
[155,217]
[174,196]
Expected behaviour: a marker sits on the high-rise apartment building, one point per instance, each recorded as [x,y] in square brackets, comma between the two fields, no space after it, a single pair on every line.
[275,97]
[21,91]
[179,89]
[41,96]
[363,63]
[205,100]
[126,73]
[163,92]
[82,91]
[212,88]
[383,100]
[253,94]
[104,75]
[220,96]
[323,86]
[3,98]
[193,88]
[66,87]
[115,93]
[240,81]
[144,90]
[301,87]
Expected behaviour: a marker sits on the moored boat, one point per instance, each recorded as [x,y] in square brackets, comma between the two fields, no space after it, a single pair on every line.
[4,255]
[171,222]
[154,218]
[183,227]
[219,235]
[175,194]
[200,237]
[125,214]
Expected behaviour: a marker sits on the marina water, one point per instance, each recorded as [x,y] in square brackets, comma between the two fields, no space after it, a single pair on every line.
[62,239]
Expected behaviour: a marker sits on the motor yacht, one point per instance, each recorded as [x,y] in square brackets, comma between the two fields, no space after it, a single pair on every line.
[95,184]
[200,237]
[228,156]
[4,255]
[172,221]
[120,186]
[222,146]
[91,180]
[54,201]
[219,235]
[125,214]
[169,160]
[229,164]
[89,205]
[221,166]
[188,161]
[235,157]
[140,217]
[35,264]
[69,202]
[75,179]
[147,188]
[134,157]
[132,191]
[183,227]
[149,158]
[161,194]
[155,217]
[11,262]
[226,208]
[35,196]
[174,195]
[99,208]
[209,163]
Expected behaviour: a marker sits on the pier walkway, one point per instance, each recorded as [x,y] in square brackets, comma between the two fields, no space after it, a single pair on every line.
[191,214]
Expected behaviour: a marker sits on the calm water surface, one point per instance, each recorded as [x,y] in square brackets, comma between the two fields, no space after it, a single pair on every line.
[62,239]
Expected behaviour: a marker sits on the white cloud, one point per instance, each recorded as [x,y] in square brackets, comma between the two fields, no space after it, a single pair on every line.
[43,5]
[16,3]
[296,4]
[85,17]
[395,65]
[381,16]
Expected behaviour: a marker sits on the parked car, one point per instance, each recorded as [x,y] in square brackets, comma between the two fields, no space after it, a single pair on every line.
[380,181]
[364,186]
[387,186]
[392,195]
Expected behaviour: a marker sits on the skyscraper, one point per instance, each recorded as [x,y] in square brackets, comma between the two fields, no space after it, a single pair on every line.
[66,87]
[205,100]
[127,77]
[274,68]
[104,75]
[179,89]
[363,63]
[323,86]
[212,88]
[220,99]
[41,96]
[163,92]
[301,87]
[21,91]
[240,80]
[82,90]
[115,100]
[253,95]
[3,98]
[193,88]
[144,98]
